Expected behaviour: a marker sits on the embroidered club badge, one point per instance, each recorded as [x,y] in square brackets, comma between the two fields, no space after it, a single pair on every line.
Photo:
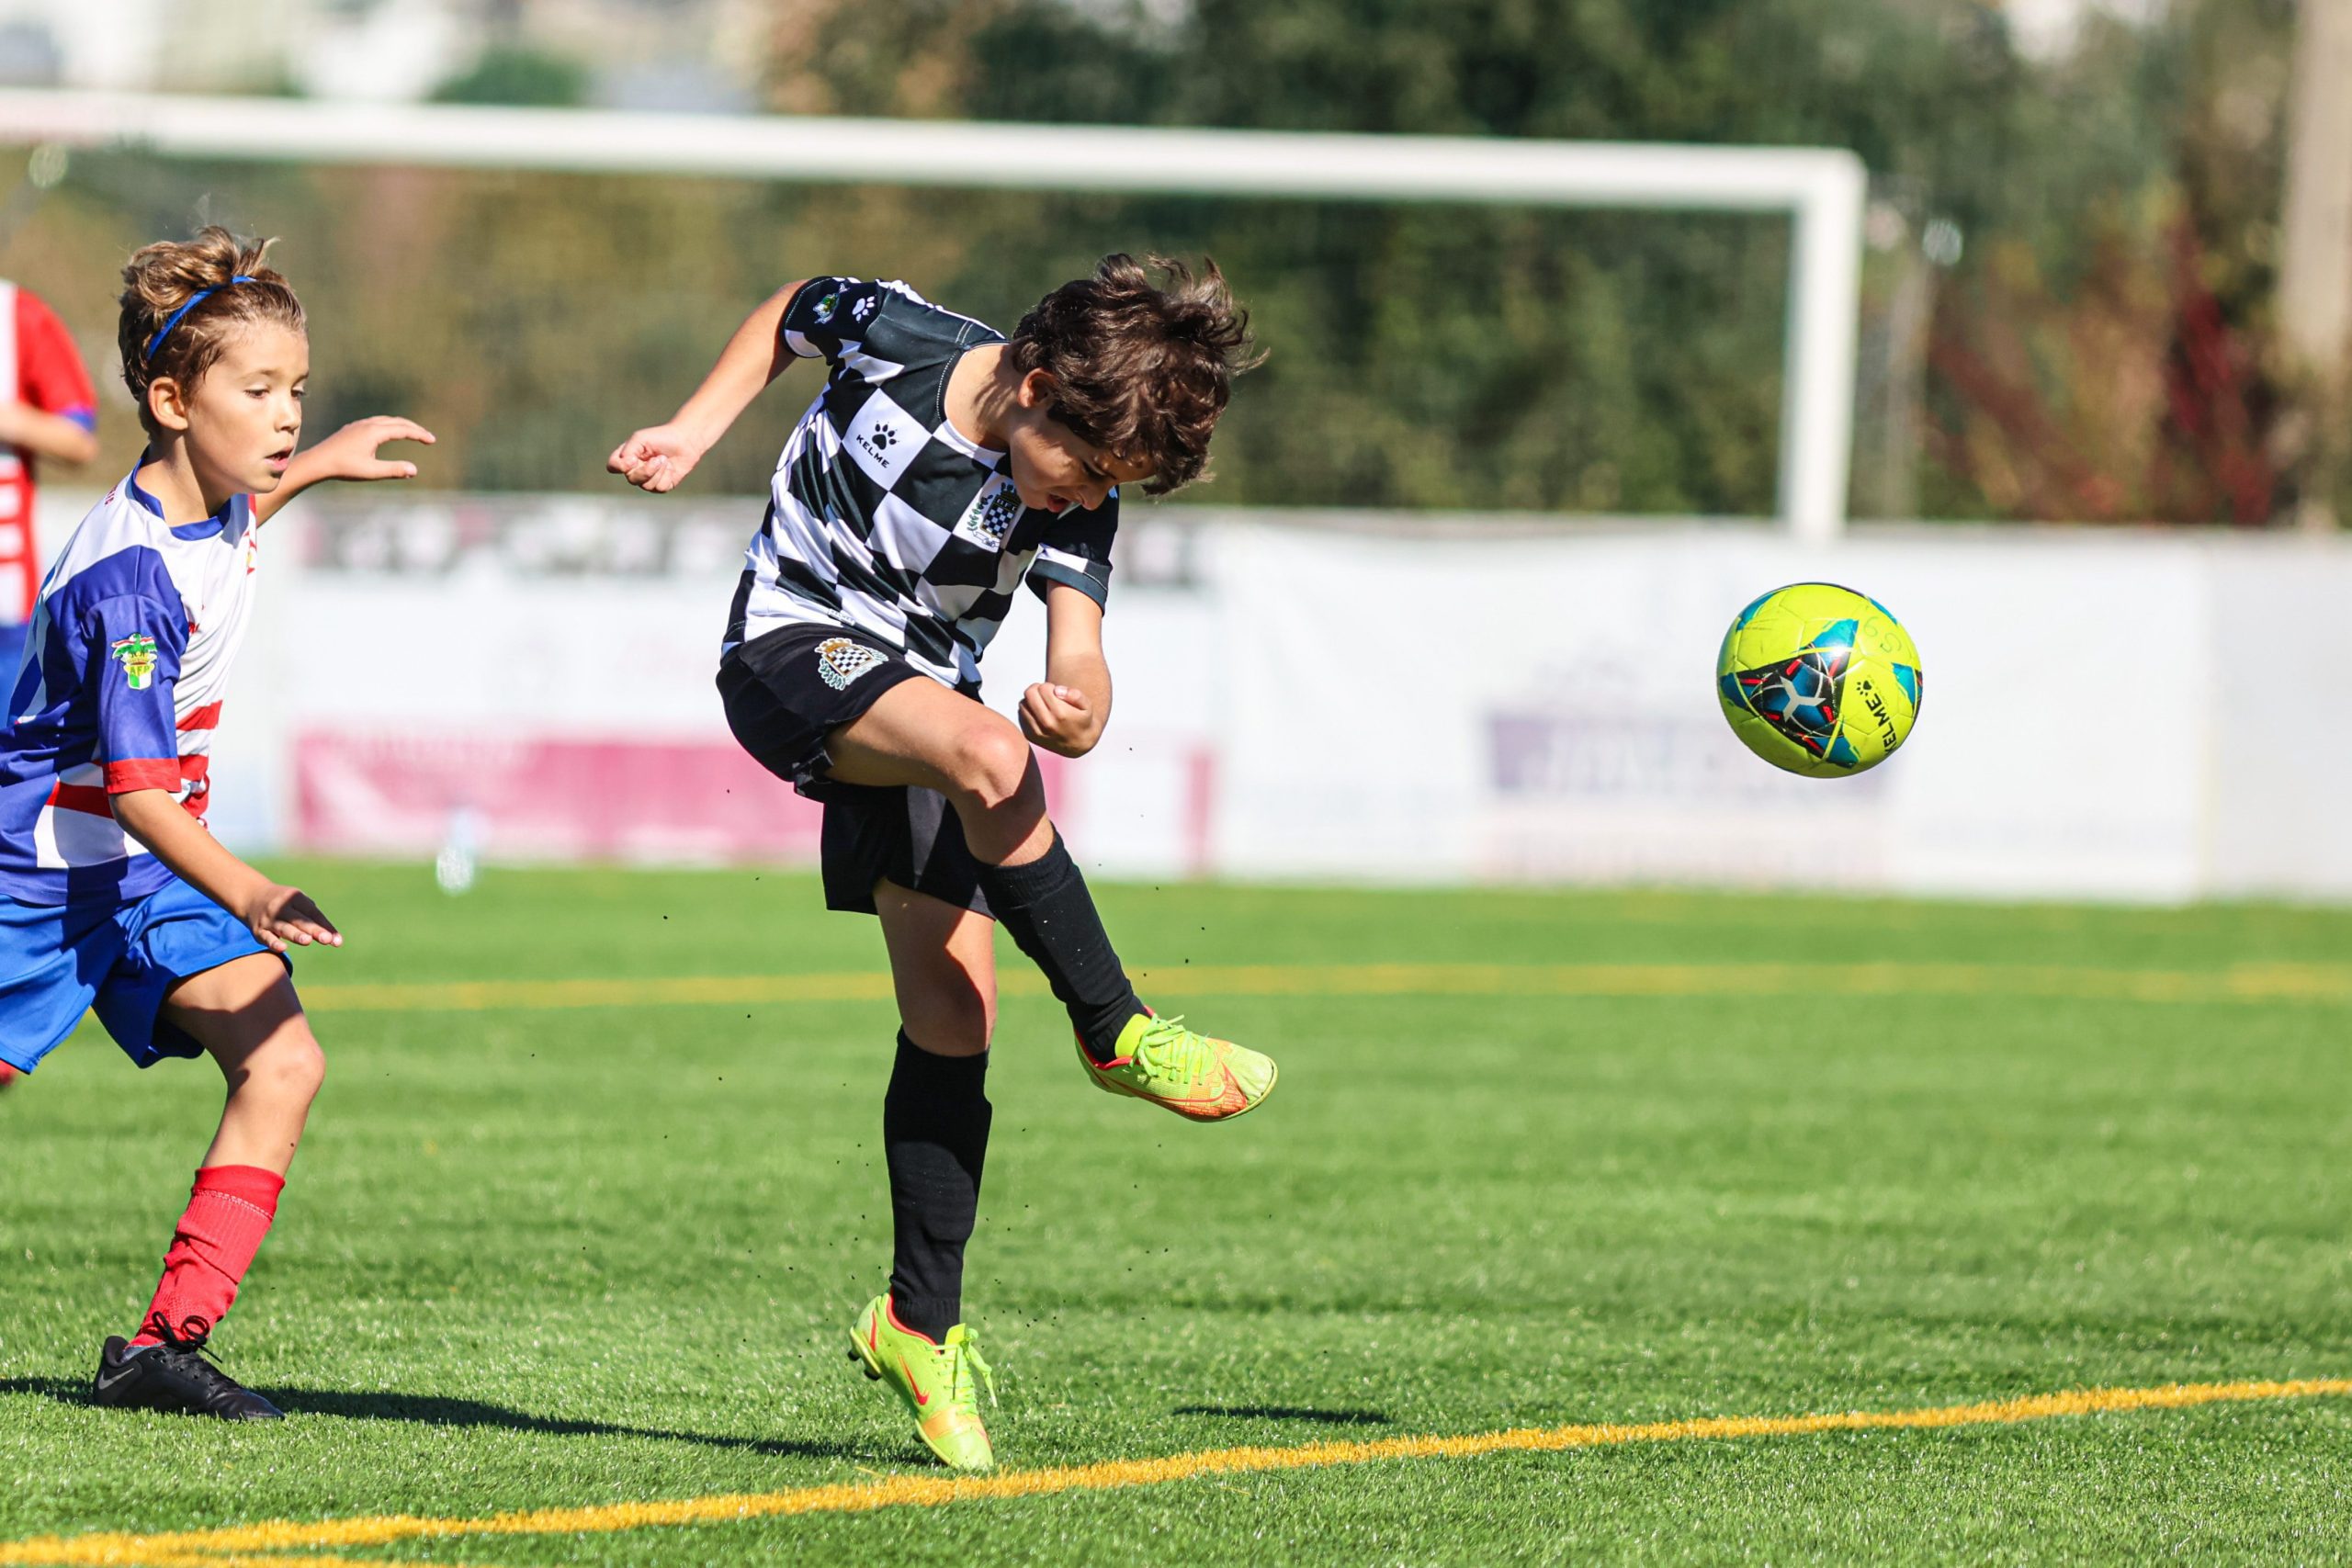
[992,514]
[842,660]
[136,653]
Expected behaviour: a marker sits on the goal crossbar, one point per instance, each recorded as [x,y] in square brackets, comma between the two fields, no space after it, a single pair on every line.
[1820,190]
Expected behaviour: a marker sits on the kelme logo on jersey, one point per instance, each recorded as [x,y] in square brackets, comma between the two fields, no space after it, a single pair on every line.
[883,439]
[842,660]
[136,654]
[991,515]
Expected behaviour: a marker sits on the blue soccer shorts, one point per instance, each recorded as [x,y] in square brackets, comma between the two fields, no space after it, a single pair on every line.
[58,961]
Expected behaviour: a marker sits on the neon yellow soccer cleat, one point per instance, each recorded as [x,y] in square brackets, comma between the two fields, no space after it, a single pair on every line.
[938,1382]
[1196,1075]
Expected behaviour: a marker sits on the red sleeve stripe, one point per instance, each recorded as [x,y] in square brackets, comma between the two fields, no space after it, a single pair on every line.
[80,797]
[206,717]
[99,802]
[143,773]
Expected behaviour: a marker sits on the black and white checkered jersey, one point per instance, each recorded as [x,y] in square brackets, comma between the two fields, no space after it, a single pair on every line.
[884,517]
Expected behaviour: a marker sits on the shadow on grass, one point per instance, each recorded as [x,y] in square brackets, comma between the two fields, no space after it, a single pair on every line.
[433,1410]
[1284,1413]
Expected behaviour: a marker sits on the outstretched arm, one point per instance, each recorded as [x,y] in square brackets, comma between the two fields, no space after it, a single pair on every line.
[1066,711]
[349,454]
[658,457]
[275,914]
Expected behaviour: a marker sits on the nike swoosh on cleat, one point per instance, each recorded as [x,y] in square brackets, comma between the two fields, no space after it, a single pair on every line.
[106,1383]
[921,1397]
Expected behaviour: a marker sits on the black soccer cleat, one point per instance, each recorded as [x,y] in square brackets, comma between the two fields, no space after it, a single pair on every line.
[174,1376]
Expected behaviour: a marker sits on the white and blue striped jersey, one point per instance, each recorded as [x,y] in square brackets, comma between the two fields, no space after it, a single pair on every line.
[119,689]
[883,516]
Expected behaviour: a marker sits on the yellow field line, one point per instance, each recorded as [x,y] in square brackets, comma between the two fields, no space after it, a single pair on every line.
[930,1491]
[190,1559]
[2322,983]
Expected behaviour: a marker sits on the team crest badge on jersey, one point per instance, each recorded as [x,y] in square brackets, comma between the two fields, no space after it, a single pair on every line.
[136,653]
[842,660]
[826,307]
[991,515]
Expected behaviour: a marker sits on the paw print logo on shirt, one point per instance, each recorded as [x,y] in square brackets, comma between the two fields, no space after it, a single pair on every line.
[883,439]
[863,308]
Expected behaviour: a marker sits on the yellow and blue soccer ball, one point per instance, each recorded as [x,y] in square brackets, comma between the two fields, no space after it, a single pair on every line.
[1819,679]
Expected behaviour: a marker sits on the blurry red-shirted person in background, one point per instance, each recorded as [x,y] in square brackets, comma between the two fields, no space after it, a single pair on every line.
[49,410]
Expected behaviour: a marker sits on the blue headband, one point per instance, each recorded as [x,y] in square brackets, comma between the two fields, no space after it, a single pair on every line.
[198,298]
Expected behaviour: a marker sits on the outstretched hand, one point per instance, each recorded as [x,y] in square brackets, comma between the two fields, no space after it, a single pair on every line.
[656,459]
[278,915]
[350,453]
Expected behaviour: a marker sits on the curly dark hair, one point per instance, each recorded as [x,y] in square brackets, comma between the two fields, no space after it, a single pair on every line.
[1141,369]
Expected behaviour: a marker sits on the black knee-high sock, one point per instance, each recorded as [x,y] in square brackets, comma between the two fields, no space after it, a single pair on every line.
[934,1136]
[1051,914]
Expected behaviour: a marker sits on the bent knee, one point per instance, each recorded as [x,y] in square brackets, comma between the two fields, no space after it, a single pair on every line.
[991,763]
[290,1067]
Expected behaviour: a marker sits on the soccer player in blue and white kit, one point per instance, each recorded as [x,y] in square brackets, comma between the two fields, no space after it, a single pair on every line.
[113,895]
[942,466]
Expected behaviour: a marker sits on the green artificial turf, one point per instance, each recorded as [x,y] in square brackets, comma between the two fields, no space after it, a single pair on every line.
[595,1255]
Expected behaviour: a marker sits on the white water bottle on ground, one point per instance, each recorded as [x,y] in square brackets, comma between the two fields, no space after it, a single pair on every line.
[453,868]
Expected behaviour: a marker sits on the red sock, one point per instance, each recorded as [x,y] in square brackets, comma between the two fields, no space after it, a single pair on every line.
[228,1214]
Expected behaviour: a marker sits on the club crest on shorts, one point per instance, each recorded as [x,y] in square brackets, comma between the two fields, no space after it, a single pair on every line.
[137,655]
[842,660]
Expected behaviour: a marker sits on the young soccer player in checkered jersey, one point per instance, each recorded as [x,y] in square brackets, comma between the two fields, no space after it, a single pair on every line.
[942,467]
[48,412]
[112,894]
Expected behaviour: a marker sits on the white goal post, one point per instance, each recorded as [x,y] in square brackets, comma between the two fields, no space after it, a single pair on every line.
[1820,188]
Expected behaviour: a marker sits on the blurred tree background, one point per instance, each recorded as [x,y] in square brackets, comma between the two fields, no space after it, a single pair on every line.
[2070,279]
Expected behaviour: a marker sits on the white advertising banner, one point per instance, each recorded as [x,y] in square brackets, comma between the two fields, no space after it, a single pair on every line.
[1542,707]
[2124,714]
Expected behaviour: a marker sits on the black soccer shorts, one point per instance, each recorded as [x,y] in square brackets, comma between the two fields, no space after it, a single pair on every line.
[786,693]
